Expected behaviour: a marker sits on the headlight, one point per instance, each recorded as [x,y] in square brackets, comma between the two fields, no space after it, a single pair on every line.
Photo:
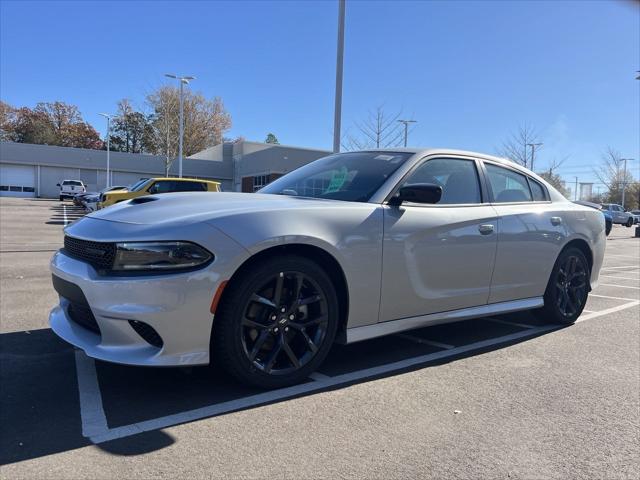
[139,256]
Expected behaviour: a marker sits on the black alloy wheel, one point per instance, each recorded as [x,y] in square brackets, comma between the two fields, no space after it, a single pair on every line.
[571,286]
[284,322]
[568,288]
[276,322]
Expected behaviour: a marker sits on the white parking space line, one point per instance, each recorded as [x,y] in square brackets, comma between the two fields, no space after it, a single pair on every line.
[275,395]
[505,322]
[607,255]
[620,268]
[94,421]
[621,278]
[584,310]
[64,211]
[619,286]
[593,315]
[411,338]
[612,298]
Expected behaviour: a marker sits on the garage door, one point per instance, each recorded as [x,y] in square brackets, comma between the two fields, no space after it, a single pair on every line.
[17,180]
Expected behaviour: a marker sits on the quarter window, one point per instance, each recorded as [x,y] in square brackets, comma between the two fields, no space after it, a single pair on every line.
[507,186]
[457,177]
[538,191]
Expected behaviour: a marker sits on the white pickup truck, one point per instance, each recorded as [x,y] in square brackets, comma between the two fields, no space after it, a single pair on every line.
[70,188]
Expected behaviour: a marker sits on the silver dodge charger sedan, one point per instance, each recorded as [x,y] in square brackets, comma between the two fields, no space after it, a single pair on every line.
[349,247]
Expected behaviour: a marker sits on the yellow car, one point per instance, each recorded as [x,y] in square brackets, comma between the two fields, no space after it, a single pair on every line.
[150,186]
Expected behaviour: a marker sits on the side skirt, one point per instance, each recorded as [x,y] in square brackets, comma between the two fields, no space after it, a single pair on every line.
[357,334]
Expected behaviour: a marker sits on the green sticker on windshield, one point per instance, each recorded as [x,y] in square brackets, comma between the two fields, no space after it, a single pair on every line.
[337,180]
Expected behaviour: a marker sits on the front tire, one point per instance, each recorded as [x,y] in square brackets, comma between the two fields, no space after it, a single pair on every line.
[61,198]
[568,288]
[607,228]
[276,323]
[629,223]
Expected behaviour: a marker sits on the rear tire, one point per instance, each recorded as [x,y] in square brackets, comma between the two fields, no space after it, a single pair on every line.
[61,198]
[607,228]
[568,288]
[276,323]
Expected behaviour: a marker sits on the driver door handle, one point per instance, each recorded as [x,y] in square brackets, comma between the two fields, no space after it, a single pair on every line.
[485,229]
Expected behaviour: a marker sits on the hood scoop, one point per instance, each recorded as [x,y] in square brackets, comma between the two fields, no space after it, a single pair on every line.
[139,200]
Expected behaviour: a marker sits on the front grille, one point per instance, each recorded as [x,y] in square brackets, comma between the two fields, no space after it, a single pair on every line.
[98,254]
[147,332]
[82,315]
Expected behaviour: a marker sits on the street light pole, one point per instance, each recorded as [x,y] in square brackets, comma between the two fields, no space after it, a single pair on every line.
[533,152]
[624,178]
[337,112]
[183,81]
[406,127]
[108,117]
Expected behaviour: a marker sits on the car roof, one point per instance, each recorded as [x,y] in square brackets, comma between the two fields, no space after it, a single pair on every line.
[183,179]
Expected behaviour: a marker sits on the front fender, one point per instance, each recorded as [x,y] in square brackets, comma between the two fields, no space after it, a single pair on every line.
[352,234]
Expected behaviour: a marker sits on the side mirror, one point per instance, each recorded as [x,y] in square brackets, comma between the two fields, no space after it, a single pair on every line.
[417,193]
[57,184]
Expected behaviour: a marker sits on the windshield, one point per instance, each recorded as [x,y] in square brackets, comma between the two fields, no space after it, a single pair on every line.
[352,177]
[139,185]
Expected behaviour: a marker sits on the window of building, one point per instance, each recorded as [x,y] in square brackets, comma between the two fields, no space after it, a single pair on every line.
[260,181]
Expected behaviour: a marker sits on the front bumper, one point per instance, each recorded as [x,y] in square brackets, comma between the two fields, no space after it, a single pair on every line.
[176,306]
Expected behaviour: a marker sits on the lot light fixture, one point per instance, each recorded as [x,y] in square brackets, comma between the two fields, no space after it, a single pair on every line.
[533,151]
[183,81]
[108,117]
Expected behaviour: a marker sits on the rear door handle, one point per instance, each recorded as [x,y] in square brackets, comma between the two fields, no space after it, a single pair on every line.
[485,229]
[556,221]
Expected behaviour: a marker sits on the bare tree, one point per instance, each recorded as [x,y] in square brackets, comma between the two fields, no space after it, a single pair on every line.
[611,173]
[379,130]
[550,175]
[516,147]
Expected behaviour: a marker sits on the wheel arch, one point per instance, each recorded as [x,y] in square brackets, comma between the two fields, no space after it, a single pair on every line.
[322,258]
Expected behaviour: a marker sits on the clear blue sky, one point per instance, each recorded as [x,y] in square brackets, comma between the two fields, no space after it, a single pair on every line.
[469,71]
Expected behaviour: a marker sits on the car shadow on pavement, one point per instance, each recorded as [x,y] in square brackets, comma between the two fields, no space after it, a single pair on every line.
[40,410]
[65,214]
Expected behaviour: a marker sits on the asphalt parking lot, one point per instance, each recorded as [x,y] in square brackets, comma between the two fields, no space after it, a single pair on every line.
[497,397]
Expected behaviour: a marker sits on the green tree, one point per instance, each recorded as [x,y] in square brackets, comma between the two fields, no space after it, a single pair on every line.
[128,129]
[271,138]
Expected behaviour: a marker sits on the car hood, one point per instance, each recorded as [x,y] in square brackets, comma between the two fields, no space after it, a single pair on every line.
[194,207]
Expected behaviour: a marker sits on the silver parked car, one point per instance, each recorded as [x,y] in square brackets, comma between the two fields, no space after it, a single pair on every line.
[349,247]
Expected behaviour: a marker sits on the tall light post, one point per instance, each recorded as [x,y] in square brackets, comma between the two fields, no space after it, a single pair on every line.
[624,177]
[108,117]
[533,152]
[337,111]
[406,128]
[183,81]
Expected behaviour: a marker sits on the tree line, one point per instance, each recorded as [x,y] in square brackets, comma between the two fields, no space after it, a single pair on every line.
[154,130]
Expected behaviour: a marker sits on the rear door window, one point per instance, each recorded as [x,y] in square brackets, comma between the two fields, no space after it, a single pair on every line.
[507,185]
